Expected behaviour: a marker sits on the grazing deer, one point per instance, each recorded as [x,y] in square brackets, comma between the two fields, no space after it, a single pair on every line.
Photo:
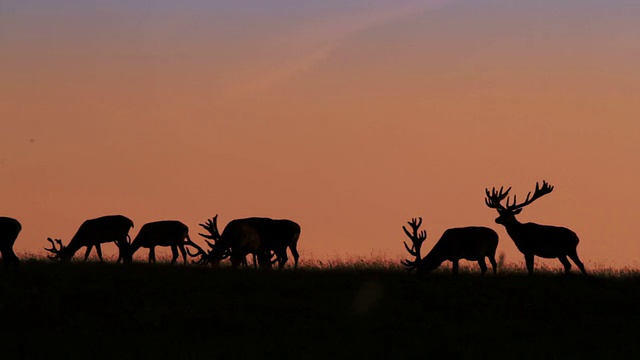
[256,236]
[237,240]
[533,239]
[277,235]
[472,243]
[9,230]
[161,233]
[92,233]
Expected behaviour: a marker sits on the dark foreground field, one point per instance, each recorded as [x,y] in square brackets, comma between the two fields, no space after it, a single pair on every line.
[105,311]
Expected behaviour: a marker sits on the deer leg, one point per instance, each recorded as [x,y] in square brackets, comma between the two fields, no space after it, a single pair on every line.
[295,254]
[267,259]
[174,254]
[483,266]
[86,253]
[184,253]
[99,251]
[528,259]
[255,260]
[494,264]
[152,254]
[573,255]
[123,246]
[281,256]
[454,268]
[9,257]
[238,258]
[565,263]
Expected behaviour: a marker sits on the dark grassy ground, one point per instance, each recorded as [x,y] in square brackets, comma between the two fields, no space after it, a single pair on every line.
[106,311]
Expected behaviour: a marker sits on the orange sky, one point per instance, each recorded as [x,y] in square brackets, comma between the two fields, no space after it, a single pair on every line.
[348,117]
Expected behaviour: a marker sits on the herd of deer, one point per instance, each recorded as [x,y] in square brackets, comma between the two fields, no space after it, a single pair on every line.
[264,238]
[477,243]
[267,240]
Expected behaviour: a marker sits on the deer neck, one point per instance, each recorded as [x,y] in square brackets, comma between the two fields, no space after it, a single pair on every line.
[134,246]
[73,247]
[433,259]
[514,229]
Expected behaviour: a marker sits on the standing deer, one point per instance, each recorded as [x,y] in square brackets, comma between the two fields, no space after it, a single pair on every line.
[256,236]
[472,243]
[161,233]
[533,239]
[92,233]
[9,230]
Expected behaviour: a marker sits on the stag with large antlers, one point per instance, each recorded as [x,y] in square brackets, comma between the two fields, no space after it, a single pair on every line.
[257,236]
[9,230]
[93,232]
[277,235]
[238,239]
[534,239]
[170,233]
[473,243]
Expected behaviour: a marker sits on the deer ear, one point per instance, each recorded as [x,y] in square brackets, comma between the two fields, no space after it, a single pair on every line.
[517,212]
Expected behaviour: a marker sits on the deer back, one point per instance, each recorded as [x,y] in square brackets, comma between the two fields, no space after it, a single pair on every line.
[543,240]
[240,234]
[275,234]
[101,230]
[470,243]
[160,233]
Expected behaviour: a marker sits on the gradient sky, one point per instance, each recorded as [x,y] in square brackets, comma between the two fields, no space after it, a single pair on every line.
[349,117]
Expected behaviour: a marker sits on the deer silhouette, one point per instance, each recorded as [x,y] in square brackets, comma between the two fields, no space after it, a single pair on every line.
[9,230]
[93,232]
[533,239]
[256,236]
[170,233]
[473,243]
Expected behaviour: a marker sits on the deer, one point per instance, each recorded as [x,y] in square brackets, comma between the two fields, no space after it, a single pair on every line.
[93,232]
[9,230]
[531,239]
[256,236]
[170,233]
[277,235]
[473,243]
[237,240]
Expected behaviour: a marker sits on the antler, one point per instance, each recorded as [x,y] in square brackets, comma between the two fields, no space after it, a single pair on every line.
[53,250]
[204,256]
[539,192]
[494,198]
[212,227]
[417,238]
[196,246]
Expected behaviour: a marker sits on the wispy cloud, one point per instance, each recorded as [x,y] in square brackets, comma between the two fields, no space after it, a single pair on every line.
[310,44]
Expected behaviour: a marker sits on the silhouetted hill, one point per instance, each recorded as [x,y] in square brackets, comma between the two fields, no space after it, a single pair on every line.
[106,311]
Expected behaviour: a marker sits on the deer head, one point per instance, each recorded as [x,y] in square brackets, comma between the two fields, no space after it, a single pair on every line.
[211,226]
[508,211]
[57,252]
[417,237]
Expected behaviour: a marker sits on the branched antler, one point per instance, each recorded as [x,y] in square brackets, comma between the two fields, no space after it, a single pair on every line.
[538,193]
[212,228]
[55,251]
[494,199]
[417,237]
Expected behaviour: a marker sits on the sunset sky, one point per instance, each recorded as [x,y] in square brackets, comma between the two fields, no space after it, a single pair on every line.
[348,117]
